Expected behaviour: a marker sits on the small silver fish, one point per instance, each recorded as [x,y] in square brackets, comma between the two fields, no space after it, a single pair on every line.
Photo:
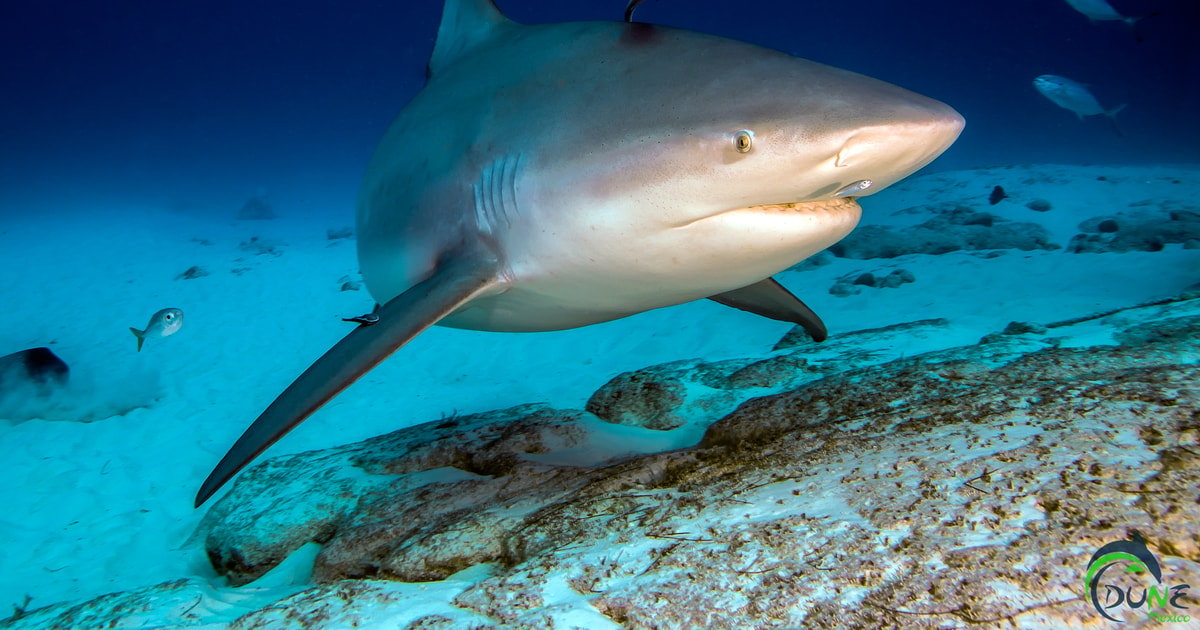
[1073,96]
[162,324]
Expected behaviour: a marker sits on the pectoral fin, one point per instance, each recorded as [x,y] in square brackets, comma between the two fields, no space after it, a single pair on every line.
[401,319]
[769,299]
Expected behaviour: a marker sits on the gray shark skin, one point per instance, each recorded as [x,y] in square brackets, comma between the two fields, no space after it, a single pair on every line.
[560,175]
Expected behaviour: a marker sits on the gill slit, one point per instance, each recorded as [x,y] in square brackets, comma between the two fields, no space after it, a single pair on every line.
[496,199]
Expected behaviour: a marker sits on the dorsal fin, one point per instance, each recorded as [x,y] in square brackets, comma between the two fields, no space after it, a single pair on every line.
[465,23]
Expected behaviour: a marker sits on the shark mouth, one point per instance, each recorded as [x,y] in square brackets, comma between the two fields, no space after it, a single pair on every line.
[837,205]
[837,210]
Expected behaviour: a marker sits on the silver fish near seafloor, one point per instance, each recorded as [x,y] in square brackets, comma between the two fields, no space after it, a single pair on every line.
[162,324]
[559,175]
[1073,96]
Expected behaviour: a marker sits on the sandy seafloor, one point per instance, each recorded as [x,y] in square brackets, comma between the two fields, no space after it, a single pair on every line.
[97,495]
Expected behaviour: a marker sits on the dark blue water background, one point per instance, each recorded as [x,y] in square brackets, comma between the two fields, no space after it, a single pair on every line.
[199,105]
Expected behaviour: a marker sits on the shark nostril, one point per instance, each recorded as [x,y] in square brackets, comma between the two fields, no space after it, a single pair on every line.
[845,157]
[861,148]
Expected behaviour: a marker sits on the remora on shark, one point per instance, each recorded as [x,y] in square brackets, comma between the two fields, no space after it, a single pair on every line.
[559,175]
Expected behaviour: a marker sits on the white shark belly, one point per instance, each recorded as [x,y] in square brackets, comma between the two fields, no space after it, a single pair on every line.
[557,281]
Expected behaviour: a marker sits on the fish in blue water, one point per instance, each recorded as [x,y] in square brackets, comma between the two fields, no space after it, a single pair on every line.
[559,175]
[1100,11]
[1073,96]
[162,324]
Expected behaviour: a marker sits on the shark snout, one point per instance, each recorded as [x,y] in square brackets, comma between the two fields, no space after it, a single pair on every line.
[931,132]
[892,148]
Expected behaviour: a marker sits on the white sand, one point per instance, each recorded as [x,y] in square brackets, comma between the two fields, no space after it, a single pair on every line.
[100,506]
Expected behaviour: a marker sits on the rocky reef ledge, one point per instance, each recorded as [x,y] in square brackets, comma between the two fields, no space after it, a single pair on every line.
[832,485]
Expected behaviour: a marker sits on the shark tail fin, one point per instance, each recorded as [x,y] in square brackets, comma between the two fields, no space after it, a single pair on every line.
[1111,115]
[141,336]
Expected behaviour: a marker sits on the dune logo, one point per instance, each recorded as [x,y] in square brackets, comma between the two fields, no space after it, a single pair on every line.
[1161,601]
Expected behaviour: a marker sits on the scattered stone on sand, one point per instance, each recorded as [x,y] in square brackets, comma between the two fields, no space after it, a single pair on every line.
[262,247]
[340,233]
[1024,328]
[201,241]
[851,284]
[820,259]
[1039,205]
[855,343]
[650,399]
[844,289]
[955,228]
[256,209]
[193,272]
[1145,229]
[180,600]
[349,283]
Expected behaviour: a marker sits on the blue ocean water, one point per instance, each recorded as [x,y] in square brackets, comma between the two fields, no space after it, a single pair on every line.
[197,104]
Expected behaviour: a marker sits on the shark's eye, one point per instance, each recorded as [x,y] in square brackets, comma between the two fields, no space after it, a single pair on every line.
[743,141]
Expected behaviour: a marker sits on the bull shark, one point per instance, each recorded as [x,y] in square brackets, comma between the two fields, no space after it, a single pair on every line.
[554,176]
